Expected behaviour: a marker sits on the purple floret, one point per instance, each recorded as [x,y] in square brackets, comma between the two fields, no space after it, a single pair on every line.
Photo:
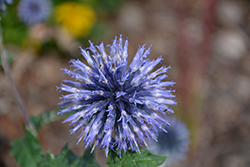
[31,12]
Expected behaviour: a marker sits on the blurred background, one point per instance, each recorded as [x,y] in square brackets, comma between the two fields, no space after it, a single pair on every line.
[206,42]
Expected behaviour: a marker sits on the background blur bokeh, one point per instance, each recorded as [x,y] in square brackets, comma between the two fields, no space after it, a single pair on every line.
[206,42]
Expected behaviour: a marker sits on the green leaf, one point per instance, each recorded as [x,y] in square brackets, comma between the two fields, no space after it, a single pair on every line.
[87,160]
[45,118]
[134,159]
[26,150]
[51,160]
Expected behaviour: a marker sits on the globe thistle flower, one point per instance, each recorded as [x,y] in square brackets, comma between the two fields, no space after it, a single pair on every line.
[3,4]
[173,144]
[116,106]
[76,18]
[34,11]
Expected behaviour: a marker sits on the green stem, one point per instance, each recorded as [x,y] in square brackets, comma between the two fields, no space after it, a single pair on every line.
[12,83]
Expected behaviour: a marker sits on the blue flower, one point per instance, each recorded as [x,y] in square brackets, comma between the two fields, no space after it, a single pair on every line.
[34,11]
[173,144]
[3,5]
[116,106]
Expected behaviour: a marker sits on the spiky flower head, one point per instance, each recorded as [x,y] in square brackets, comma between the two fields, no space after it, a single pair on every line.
[115,105]
[173,144]
[34,11]
[3,4]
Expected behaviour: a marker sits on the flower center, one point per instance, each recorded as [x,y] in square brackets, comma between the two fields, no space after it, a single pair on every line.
[119,94]
[34,7]
[169,140]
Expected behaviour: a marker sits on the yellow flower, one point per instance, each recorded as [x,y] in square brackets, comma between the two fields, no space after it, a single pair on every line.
[77,18]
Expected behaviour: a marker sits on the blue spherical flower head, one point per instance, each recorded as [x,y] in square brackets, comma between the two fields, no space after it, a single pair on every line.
[116,105]
[173,144]
[3,4]
[32,12]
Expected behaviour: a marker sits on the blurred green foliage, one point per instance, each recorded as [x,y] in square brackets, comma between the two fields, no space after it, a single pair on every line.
[9,59]
[15,32]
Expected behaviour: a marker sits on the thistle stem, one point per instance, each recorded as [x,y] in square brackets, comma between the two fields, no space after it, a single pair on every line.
[12,83]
